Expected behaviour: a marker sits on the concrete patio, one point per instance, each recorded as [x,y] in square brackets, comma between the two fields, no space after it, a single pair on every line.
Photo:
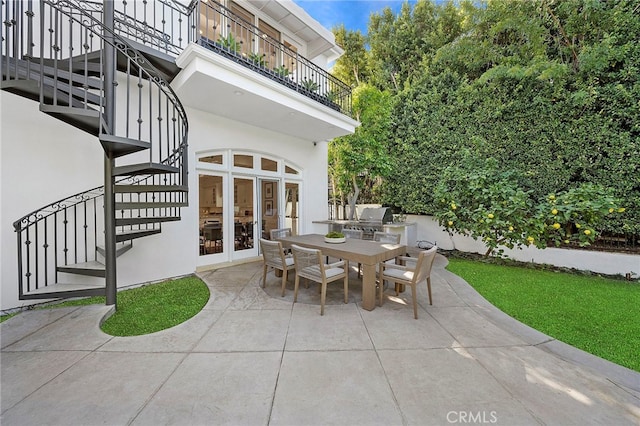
[254,358]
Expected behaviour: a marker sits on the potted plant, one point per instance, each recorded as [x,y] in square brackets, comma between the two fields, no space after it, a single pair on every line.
[229,43]
[257,59]
[310,85]
[282,71]
[334,237]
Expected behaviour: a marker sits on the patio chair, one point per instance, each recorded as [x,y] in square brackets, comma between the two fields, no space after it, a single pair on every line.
[352,233]
[274,234]
[409,275]
[383,237]
[309,265]
[274,257]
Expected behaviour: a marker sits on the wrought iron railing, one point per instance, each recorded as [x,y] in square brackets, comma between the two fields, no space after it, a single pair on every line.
[16,18]
[219,29]
[169,26]
[71,41]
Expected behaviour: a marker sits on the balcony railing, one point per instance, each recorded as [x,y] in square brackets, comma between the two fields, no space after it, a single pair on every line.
[168,26]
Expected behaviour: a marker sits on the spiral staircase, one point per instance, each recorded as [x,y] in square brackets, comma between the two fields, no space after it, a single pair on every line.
[67,56]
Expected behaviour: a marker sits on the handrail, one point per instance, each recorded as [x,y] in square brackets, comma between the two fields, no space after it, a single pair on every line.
[66,231]
[168,26]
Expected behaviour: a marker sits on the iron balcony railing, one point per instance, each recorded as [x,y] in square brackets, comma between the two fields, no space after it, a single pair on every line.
[169,26]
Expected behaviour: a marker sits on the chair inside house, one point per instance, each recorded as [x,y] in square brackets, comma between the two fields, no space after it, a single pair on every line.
[274,257]
[309,265]
[212,238]
[240,236]
[353,233]
[411,274]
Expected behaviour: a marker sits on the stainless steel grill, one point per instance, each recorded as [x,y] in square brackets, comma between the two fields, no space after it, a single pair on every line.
[371,220]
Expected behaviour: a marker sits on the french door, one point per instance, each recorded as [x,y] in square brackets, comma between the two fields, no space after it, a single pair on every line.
[244,225]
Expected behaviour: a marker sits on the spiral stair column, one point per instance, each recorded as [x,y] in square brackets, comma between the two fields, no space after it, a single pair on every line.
[109,64]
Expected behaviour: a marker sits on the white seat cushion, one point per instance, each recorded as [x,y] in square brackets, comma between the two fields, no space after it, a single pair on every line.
[398,273]
[332,272]
[314,271]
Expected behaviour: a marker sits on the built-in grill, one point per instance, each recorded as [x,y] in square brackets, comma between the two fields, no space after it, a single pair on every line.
[371,220]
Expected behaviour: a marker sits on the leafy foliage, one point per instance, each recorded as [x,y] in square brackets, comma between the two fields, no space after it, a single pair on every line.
[546,90]
[483,202]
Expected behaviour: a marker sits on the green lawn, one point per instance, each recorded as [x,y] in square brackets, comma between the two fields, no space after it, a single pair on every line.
[598,315]
[151,308]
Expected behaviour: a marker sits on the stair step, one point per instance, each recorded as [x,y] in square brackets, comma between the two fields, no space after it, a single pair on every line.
[29,89]
[132,235]
[119,250]
[62,290]
[77,77]
[91,62]
[149,205]
[128,189]
[144,169]
[25,80]
[119,146]
[163,62]
[82,118]
[145,220]
[92,269]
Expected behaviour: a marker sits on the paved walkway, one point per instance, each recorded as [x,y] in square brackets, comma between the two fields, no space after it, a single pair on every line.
[252,359]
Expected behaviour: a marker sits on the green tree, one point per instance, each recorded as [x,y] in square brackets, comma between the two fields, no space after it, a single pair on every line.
[357,162]
[352,66]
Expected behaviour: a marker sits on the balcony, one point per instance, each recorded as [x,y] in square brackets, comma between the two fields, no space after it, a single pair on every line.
[169,27]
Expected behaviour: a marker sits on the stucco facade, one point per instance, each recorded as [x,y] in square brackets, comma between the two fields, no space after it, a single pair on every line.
[231,111]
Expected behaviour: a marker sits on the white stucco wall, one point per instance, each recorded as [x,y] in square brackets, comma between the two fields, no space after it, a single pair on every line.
[44,159]
[586,260]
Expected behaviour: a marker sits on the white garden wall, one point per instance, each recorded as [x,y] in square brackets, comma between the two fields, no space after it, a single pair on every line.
[586,260]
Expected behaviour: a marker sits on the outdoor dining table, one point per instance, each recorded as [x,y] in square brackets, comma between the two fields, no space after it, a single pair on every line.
[366,252]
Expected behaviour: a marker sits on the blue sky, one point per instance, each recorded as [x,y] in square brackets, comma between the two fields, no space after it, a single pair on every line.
[354,14]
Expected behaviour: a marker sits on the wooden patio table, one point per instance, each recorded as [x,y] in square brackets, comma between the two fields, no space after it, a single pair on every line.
[366,252]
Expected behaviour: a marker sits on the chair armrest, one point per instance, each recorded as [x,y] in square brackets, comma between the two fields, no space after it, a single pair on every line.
[384,266]
[339,264]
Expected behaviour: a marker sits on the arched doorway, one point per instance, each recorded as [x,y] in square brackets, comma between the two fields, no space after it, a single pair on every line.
[242,196]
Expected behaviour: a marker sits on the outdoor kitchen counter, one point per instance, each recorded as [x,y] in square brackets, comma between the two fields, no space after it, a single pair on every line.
[407,230]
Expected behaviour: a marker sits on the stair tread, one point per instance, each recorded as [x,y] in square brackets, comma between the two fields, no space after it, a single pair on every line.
[64,287]
[143,169]
[120,146]
[136,231]
[85,265]
[128,235]
[142,220]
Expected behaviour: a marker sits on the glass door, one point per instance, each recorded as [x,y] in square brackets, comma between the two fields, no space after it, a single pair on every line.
[291,191]
[269,206]
[211,214]
[244,225]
